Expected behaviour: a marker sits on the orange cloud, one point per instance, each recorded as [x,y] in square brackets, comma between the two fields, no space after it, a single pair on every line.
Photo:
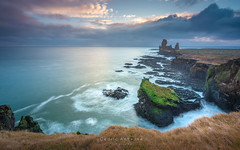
[88,10]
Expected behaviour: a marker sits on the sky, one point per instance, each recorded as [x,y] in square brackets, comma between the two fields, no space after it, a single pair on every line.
[119,22]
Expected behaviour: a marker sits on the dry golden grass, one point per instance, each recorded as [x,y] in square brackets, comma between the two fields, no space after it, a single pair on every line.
[221,131]
[210,56]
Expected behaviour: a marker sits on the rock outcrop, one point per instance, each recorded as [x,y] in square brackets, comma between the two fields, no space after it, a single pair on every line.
[119,93]
[159,104]
[223,85]
[191,67]
[7,119]
[164,46]
[27,123]
[177,46]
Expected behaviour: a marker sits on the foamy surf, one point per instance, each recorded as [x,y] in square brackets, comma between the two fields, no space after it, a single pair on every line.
[53,98]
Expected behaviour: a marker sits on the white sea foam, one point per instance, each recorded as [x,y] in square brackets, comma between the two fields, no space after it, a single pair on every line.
[24,108]
[53,98]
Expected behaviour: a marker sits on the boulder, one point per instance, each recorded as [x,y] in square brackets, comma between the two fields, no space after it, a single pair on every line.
[7,119]
[27,123]
[223,85]
[159,105]
[119,93]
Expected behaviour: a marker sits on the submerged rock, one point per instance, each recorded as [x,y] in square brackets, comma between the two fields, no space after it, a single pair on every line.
[128,64]
[27,123]
[7,119]
[159,104]
[223,85]
[136,67]
[118,70]
[119,93]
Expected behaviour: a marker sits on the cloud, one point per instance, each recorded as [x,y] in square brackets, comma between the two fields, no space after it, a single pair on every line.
[210,25]
[129,16]
[188,2]
[62,8]
[88,10]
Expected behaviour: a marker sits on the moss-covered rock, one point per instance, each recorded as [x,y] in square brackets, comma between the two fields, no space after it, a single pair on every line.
[7,119]
[27,123]
[223,85]
[159,104]
[161,96]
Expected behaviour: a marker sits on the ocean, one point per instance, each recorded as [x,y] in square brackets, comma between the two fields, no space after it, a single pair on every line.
[61,87]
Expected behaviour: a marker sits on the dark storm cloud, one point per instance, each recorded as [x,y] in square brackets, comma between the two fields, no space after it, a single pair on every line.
[189,2]
[18,28]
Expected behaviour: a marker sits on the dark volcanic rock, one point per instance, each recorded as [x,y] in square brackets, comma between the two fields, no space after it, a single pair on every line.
[152,73]
[7,119]
[168,82]
[185,94]
[223,85]
[159,105]
[128,64]
[199,71]
[119,93]
[136,67]
[118,70]
[27,123]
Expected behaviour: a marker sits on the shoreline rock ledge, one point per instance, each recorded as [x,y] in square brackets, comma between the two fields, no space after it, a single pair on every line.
[159,104]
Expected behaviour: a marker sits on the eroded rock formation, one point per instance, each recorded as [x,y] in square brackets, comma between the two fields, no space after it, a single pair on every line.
[223,85]
[7,119]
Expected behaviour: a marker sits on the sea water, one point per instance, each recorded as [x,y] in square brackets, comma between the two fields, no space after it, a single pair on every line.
[61,87]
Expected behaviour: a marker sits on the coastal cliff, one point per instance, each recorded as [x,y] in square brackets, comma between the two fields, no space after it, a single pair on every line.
[223,85]
[159,104]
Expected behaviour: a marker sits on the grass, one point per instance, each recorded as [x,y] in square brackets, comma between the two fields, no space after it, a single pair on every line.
[159,95]
[218,132]
[210,56]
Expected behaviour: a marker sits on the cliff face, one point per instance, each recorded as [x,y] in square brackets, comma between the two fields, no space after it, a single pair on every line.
[191,67]
[159,104]
[7,119]
[223,85]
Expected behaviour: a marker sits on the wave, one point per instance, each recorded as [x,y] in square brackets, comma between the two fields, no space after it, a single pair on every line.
[53,98]
[24,108]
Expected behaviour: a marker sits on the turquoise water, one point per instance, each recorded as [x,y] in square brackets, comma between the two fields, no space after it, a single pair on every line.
[61,87]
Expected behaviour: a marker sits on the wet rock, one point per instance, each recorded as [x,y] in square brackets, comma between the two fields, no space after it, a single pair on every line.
[223,85]
[7,119]
[128,64]
[119,93]
[159,105]
[136,67]
[185,94]
[27,123]
[118,70]
[168,83]
[152,73]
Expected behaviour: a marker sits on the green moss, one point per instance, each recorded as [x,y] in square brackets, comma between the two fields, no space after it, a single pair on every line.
[210,73]
[159,95]
[157,110]
[223,76]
